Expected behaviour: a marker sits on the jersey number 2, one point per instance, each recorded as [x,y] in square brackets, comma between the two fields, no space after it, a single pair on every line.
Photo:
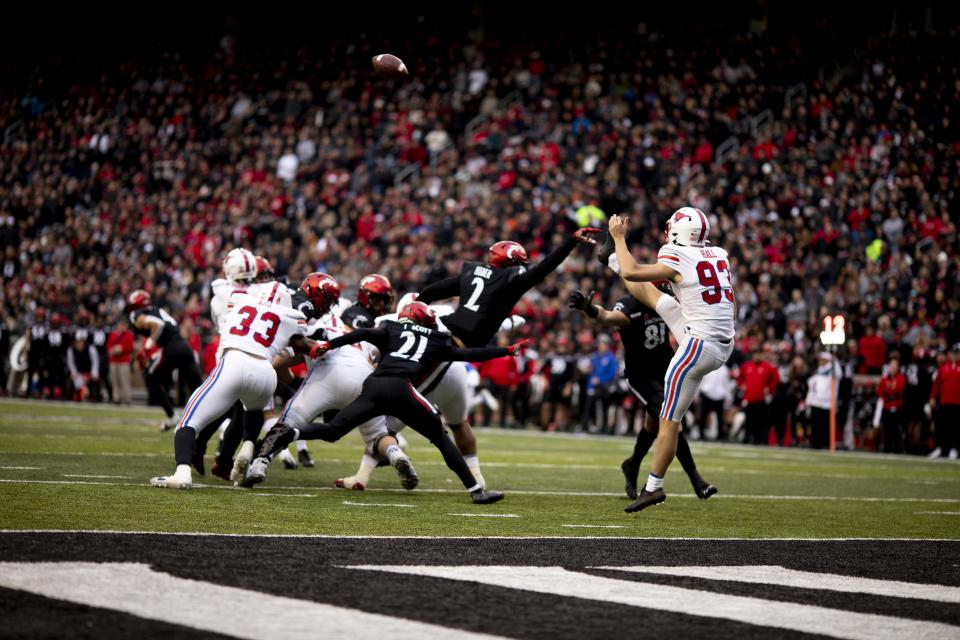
[477,290]
[709,278]
[249,315]
[410,339]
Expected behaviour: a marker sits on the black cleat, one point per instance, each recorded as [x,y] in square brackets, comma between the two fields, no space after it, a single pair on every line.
[485,497]
[222,470]
[646,499]
[630,472]
[305,458]
[408,475]
[197,463]
[704,490]
[606,250]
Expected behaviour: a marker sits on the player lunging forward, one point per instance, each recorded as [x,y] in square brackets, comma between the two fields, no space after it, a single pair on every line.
[701,318]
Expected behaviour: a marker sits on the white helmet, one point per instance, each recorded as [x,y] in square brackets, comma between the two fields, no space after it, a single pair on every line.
[240,265]
[688,227]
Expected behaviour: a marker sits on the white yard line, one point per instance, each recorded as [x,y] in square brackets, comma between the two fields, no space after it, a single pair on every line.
[594,526]
[284,495]
[378,504]
[775,614]
[524,492]
[938,513]
[23,468]
[484,515]
[139,590]
[772,574]
[78,475]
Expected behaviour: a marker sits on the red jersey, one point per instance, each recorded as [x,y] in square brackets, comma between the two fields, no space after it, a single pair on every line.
[500,371]
[757,378]
[124,340]
[891,389]
[946,384]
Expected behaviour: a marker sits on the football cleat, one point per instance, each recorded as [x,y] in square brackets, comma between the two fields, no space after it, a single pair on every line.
[289,462]
[408,475]
[256,473]
[705,490]
[630,472]
[646,499]
[606,250]
[241,462]
[485,497]
[349,483]
[305,458]
[221,470]
[935,453]
[170,482]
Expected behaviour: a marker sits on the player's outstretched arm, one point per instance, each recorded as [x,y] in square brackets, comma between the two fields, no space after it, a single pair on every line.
[376,336]
[440,290]
[536,274]
[598,314]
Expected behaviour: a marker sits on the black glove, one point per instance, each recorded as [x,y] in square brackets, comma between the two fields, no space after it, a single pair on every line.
[583,302]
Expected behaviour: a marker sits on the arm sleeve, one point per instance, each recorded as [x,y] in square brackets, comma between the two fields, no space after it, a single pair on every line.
[535,274]
[475,355]
[440,290]
[376,337]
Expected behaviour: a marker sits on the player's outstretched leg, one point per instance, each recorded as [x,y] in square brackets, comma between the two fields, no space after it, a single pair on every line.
[184,446]
[466,440]
[663,454]
[631,466]
[701,487]
[361,478]
[388,448]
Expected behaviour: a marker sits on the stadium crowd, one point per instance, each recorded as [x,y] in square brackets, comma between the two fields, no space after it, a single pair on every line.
[845,201]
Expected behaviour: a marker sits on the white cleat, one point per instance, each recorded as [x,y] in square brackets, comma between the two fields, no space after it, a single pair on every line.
[241,462]
[935,453]
[257,472]
[169,423]
[170,482]
[350,483]
[289,462]
[953,455]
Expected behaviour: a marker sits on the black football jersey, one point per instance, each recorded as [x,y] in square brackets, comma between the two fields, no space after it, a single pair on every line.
[411,351]
[487,296]
[170,329]
[358,317]
[646,340]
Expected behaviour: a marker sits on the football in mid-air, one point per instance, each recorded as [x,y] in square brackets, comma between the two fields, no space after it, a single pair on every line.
[389,66]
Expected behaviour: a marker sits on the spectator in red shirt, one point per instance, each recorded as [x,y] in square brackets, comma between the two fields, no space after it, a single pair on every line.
[873,350]
[500,376]
[209,360]
[758,380]
[890,392]
[945,397]
[120,352]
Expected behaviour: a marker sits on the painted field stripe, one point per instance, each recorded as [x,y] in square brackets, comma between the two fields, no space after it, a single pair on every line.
[212,534]
[757,611]
[522,492]
[23,468]
[139,590]
[79,475]
[485,515]
[938,513]
[284,495]
[378,504]
[772,574]
[594,526]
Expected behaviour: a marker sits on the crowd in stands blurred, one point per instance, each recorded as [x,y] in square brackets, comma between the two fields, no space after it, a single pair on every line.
[838,192]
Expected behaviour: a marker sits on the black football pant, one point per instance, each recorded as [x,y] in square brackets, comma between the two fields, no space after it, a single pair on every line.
[177,356]
[395,397]
[947,427]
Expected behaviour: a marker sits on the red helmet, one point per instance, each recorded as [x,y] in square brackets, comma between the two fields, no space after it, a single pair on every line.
[322,290]
[138,299]
[264,270]
[376,293]
[507,253]
[419,313]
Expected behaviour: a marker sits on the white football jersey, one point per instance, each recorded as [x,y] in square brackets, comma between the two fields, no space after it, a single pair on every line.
[361,353]
[222,290]
[262,323]
[705,292]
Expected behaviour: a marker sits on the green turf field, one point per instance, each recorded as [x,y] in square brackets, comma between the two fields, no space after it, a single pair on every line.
[65,466]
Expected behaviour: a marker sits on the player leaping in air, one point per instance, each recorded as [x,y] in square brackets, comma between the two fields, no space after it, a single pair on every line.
[488,292]
[701,319]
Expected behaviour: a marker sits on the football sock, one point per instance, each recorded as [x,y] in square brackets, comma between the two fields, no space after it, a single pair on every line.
[685,457]
[473,462]
[301,445]
[252,423]
[268,424]
[184,445]
[367,464]
[654,482]
[642,446]
[394,453]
